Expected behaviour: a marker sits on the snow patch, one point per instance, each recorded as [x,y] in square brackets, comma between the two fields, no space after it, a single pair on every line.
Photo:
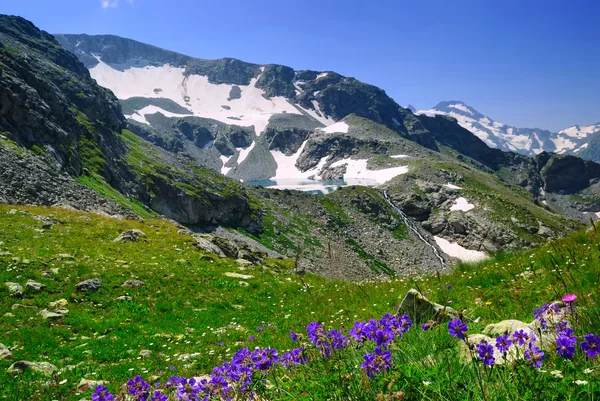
[456,251]
[357,172]
[452,186]
[286,166]
[225,159]
[339,127]
[244,152]
[462,204]
[193,92]
[322,75]
[400,156]
[461,107]
[320,118]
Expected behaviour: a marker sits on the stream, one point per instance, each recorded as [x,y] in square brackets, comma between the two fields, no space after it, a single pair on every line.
[411,226]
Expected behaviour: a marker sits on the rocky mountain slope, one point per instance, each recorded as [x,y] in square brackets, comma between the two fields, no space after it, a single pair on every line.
[441,192]
[63,143]
[577,140]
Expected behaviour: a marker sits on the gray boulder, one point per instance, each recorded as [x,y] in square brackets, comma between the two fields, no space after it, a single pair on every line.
[130,236]
[133,283]
[504,327]
[124,298]
[14,289]
[41,367]
[55,314]
[33,286]
[85,386]
[205,245]
[5,353]
[420,309]
[90,285]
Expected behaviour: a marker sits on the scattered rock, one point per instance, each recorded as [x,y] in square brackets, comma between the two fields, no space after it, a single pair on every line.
[5,353]
[244,263]
[65,256]
[133,283]
[420,309]
[90,285]
[21,306]
[243,283]
[207,246]
[57,314]
[130,236]
[145,353]
[85,386]
[42,367]
[14,289]
[33,286]
[60,304]
[238,275]
[124,298]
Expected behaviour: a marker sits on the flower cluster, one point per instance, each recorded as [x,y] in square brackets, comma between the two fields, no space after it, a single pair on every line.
[234,379]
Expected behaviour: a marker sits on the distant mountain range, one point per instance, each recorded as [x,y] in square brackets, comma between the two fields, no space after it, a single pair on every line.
[583,141]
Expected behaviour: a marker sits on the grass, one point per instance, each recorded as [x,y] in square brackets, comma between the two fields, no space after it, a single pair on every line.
[97,183]
[191,316]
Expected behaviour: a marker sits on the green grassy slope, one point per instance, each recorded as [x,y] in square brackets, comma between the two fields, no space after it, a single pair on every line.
[191,316]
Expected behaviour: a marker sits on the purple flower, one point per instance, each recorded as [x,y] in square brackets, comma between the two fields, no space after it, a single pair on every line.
[457,329]
[521,337]
[265,359]
[538,314]
[565,346]
[569,298]
[378,361]
[425,326]
[534,356]
[503,343]
[383,337]
[591,345]
[138,388]
[293,357]
[403,324]
[187,389]
[251,338]
[101,394]
[293,336]
[338,340]
[486,353]
[561,326]
[158,396]
[261,328]
[359,332]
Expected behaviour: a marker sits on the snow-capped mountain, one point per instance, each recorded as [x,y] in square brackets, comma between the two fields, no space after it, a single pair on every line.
[527,141]
[250,122]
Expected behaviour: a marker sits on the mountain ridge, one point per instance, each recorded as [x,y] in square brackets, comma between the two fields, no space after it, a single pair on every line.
[528,141]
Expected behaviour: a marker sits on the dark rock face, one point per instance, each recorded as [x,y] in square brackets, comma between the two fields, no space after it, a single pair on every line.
[566,174]
[48,99]
[277,80]
[234,93]
[190,209]
[287,141]
[201,136]
[306,75]
[223,71]
[117,50]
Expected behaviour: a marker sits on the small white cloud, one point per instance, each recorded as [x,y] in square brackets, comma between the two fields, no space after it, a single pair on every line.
[109,3]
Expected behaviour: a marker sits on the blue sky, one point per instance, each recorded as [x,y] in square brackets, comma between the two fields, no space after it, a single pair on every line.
[527,63]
